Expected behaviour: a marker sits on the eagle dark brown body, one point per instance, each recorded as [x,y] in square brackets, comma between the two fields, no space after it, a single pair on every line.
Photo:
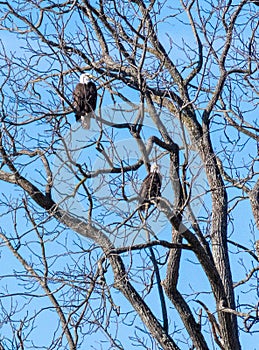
[150,188]
[85,98]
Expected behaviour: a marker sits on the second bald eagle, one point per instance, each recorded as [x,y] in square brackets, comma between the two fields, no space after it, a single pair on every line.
[85,97]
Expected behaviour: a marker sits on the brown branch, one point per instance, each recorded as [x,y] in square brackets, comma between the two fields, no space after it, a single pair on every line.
[161,243]
[214,325]
[45,287]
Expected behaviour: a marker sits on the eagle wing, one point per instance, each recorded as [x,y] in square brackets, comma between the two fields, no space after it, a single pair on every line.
[91,97]
[79,100]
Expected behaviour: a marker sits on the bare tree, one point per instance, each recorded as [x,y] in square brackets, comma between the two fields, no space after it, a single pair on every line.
[177,85]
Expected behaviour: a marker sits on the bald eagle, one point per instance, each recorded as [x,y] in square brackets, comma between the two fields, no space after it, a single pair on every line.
[150,188]
[85,97]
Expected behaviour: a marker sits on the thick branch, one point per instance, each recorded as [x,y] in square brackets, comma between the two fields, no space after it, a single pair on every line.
[121,281]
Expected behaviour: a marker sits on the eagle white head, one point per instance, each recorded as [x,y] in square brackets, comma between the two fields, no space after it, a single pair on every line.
[155,168]
[84,78]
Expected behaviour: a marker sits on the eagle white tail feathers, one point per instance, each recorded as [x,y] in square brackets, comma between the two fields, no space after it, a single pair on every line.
[86,120]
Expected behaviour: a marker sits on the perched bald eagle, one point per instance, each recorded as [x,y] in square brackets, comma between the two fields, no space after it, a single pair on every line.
[150,188]
[85,97]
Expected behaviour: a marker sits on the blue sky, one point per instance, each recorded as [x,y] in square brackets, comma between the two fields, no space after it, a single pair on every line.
[67,245]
